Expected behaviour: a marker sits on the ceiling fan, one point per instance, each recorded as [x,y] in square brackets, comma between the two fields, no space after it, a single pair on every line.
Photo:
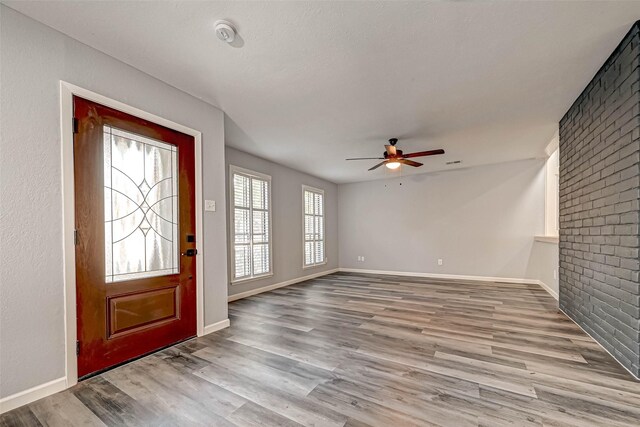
[393,157]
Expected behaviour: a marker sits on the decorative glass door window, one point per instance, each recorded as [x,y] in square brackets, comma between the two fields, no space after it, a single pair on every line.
[141,206]
[313,200]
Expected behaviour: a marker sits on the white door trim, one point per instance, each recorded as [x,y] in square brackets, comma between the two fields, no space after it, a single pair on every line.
[67,91]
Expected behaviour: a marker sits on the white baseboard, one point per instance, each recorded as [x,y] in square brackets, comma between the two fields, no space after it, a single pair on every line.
[596,341]
[30,395]
[216,326]
[457,277]
[444,276]
[546,287]
[280,285]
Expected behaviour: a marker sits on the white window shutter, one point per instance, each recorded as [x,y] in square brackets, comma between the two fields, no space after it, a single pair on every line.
[251,240]
[313,227]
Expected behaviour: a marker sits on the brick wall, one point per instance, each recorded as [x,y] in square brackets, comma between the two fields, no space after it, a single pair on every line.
[599,205]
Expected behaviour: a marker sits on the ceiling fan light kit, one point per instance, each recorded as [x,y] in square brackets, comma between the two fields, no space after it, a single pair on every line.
[393,165]
[394,158]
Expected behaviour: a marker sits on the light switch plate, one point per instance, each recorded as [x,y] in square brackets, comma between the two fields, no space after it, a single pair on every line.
[210,205]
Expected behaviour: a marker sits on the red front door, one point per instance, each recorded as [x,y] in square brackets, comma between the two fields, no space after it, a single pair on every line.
[135,236]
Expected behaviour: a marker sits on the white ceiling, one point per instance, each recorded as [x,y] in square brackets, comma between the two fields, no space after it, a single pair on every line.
[311,83]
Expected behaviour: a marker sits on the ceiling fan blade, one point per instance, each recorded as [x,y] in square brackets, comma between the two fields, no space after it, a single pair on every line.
[391,150]
[378,165]
[423,153]
[409,162]
[367,158]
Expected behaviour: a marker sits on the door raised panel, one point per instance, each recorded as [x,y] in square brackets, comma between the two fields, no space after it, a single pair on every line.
[130,313]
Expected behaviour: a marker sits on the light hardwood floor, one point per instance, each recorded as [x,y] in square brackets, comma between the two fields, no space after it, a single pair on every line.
[357,350]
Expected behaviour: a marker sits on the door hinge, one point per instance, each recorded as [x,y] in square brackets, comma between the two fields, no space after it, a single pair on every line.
[75,237]
[77,348]
[75,125]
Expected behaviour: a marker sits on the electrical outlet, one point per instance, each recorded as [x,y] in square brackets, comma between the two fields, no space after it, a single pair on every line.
[439,261]
[363,259]
[210,205]
[360,258]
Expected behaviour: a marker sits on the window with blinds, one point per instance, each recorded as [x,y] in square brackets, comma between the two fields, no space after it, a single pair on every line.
[250,225]
[313,200]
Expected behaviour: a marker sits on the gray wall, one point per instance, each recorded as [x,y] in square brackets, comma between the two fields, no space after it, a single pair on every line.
[286,197]
[599,205]
[33,60]
[481,221]
[544,264]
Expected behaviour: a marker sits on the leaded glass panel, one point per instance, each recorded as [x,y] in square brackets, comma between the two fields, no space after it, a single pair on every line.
[141,206]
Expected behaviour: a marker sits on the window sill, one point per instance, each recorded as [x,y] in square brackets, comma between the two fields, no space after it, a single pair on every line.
[251,279]
[320,264]
[547,239]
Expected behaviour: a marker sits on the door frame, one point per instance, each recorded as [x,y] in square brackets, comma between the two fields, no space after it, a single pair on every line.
[67,92]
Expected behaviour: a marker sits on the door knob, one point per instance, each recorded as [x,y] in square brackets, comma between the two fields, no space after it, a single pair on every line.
[190,252]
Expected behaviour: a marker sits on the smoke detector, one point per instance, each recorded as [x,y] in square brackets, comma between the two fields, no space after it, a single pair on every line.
[225,31]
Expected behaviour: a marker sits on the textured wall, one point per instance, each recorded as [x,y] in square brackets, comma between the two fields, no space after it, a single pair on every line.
[34,58]
[599,196]
[286,198]
[543,265]
[480,221]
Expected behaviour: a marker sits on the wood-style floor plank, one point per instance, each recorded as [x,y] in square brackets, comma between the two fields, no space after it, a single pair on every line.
[365,350]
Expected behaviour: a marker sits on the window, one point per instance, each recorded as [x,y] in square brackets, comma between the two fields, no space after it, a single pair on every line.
[313,206]
[250,224]
[141,206]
